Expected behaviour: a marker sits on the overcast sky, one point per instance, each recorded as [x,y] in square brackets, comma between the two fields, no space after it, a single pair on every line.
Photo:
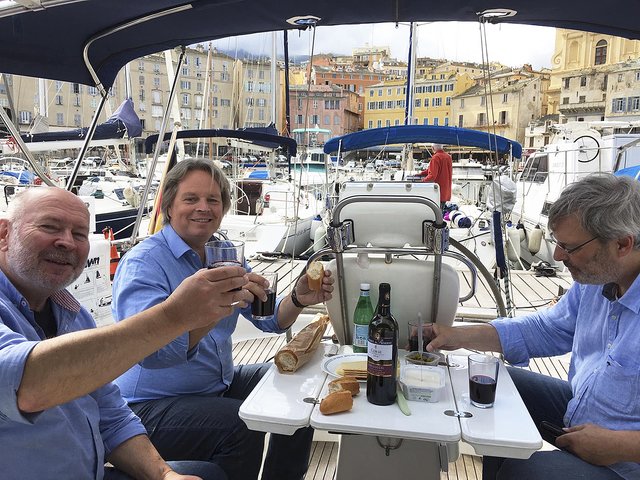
[512,45]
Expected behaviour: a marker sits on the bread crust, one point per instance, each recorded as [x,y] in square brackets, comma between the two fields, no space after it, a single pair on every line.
[301,347]
[336,402]
[345,383]
[315,274]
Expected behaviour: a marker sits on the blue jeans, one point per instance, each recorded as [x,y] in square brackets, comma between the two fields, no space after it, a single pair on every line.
[204,470]
[207,427]
[546,398]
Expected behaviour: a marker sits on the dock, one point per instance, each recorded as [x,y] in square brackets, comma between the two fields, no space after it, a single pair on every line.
[528,293]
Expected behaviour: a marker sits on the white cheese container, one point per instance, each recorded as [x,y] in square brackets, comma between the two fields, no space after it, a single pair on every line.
[422,383]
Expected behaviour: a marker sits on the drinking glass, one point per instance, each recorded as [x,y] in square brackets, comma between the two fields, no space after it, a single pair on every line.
[483,379]
[412,335]
[224,253]
[265,310]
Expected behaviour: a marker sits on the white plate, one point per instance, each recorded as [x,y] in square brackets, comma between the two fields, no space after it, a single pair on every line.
[331,364]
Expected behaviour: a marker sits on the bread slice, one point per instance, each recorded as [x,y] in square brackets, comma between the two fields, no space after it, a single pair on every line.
[315,274]
[336,402]
[345,383]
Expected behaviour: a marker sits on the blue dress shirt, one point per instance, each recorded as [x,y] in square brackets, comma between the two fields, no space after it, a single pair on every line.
[146,276]
[67,441]
[602,333]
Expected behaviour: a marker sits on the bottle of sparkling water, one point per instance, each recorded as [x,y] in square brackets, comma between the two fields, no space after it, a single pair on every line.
[361,317]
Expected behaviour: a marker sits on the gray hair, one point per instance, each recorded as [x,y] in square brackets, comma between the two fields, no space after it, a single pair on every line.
[177,174]
[437,146]
[608,207]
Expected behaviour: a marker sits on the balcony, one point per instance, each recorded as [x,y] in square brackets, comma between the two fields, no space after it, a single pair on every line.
[584,107]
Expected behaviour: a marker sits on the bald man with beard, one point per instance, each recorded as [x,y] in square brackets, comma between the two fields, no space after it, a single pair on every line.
[61,417]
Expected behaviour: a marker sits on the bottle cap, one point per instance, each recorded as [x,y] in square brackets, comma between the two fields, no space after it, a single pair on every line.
[365,286]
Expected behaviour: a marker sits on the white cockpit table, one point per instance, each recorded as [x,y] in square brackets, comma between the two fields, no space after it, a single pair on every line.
[379,442]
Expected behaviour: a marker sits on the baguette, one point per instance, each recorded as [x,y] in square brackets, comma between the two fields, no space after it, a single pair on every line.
[298,351]
[336,402]
[315,274]
[345,383]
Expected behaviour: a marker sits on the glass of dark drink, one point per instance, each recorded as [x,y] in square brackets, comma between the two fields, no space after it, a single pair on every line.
[265,310]
[483,379]
[412,335]
[224,253]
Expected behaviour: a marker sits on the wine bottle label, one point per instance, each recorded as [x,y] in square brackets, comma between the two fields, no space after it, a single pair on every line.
[360,334]
[380,352]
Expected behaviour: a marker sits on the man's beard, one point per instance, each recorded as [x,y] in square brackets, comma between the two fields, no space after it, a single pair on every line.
[24,265]
[599,270]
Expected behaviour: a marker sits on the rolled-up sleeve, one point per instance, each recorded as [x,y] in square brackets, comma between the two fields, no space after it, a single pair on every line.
[117,422]
[544,333]
[14,351]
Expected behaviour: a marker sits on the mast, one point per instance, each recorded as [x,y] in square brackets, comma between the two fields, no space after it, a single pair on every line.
[409,98]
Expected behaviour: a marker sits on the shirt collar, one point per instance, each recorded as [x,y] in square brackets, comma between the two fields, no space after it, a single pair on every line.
[630,299]
[62,297]
[175,242]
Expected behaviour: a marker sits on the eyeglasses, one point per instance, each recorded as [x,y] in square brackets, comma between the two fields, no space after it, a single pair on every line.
[569,251]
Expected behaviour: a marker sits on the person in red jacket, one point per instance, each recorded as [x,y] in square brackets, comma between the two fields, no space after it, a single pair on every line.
[440,171]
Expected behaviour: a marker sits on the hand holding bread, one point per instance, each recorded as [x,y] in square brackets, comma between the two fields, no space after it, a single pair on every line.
[315,274]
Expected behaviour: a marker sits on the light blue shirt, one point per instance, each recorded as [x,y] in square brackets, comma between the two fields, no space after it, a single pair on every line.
[146,276]
[67,441]
[603,336]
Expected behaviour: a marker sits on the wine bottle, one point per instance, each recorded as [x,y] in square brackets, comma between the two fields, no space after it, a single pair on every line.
[382,352]
[361,317]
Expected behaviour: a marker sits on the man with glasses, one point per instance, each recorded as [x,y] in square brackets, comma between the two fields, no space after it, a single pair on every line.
[596,231]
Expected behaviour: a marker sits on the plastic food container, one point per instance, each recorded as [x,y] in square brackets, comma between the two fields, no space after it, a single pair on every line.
[430,359]
[422,383]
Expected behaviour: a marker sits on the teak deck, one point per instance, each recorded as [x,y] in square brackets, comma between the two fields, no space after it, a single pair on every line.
[528,294]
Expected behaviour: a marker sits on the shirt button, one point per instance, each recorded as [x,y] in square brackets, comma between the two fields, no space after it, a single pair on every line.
[608,345]
[613,317]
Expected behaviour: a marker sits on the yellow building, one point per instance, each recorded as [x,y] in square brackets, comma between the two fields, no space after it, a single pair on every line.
[385,102]
[577,52]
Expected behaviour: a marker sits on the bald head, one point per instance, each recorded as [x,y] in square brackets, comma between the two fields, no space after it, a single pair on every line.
[30,198]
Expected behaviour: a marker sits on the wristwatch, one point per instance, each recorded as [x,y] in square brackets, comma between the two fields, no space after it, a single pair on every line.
[294,299]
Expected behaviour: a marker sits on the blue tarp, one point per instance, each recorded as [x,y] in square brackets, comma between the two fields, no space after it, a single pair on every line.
[123,121]
[423,134]
[259,175]
[266,137]
[48,41]
[24,177]
[633,172]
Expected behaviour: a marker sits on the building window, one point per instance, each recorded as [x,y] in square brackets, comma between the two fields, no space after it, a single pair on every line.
[186,99]
[436,122]
[447,101]
[634,103]
[601,53]
[462,103]
[582,99]
[460,120]
[505,97]
[370,123]
[583,81]
[156,111]
[59,118]
[481,120]
[502,118]
[93,91]
[315,119]
[156,68]
[565,81]
[58,99]
[185,85]
[388,123]
[482,101]
[327,120]
[396,123]
[565,100]
[76,88]
[77,120]
[379,123]
[299,119]
[425,121]
[76,101]
[618,105]
[446,121]
[156,82]
[140,80]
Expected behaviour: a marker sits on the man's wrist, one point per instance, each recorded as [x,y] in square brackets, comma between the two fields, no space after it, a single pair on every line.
[295,301]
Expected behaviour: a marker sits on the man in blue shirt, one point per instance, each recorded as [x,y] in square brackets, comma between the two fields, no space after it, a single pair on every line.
[188,393]
[60,417]
[596,230]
